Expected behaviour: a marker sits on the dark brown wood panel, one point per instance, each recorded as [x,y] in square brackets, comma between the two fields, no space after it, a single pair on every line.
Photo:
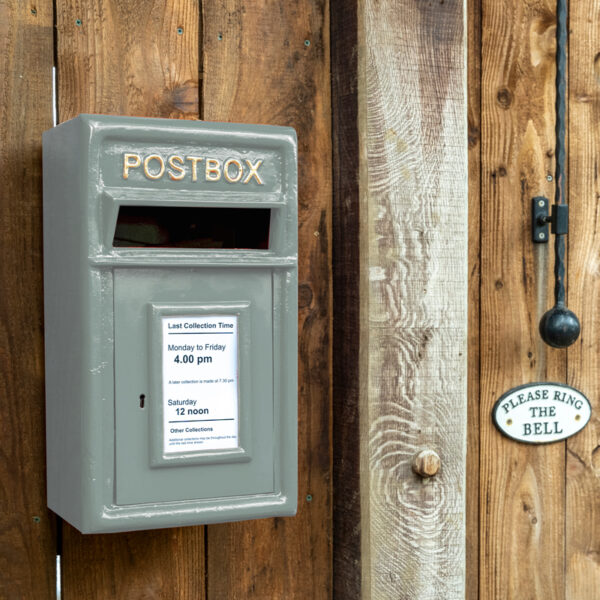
[136,58]
[164,564]
[268,62]
[583,450]
[27,545]
[346,319]
[522,487]
[474,121]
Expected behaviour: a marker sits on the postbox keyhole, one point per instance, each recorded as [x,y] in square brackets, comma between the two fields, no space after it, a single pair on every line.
[142,400]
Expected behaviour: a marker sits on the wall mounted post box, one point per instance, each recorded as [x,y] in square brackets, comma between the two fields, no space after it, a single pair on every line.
[170,264]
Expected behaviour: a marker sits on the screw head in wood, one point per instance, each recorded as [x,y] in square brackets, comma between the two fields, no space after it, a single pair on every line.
[426,463]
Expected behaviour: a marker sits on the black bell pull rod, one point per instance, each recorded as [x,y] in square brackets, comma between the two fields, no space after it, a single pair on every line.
[559,327]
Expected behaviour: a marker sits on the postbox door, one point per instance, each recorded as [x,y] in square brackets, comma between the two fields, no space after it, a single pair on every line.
[203,295]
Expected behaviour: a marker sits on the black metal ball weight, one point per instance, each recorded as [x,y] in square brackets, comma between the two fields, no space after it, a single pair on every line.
[559,327]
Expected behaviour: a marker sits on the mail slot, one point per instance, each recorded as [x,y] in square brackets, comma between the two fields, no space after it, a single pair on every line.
[170,284]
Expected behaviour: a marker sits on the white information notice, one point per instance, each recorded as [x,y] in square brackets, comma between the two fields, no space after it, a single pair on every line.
[200,383]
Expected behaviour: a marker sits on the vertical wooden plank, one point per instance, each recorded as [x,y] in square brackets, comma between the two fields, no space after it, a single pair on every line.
[413,190]
[346,322]
[163,564]
[474,348]
[268,62]
[522,487]
[27,545]
[583,451]
[132,58]
[137,58]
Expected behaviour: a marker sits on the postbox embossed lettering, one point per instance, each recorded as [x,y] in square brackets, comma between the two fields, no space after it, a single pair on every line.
[155,166]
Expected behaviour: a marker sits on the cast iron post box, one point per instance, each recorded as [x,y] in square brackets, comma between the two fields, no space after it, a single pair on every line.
[170,264]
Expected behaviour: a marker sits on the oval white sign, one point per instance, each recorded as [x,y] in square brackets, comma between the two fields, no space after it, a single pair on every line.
[540,413]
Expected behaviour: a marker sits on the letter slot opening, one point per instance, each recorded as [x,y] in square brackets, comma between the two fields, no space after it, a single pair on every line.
[192,227]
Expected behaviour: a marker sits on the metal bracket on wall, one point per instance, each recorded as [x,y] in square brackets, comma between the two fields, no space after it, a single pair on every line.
[559,326]
[541,218]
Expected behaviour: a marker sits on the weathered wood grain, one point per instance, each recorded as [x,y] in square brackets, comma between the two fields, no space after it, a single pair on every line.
[27,545]
[133,58]
[346,323]
[582,511]
[128,57]
[474,132]
[268,62]
[146,565]
[522,487]
[413,206]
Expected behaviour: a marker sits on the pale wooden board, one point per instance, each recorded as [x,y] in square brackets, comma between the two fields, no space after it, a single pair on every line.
[124,57]
[474,133]
[27,541]
[413,187]
[522,487]
[268,62]
[583,450]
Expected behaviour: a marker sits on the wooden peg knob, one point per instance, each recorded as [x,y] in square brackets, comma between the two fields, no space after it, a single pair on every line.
[426,463]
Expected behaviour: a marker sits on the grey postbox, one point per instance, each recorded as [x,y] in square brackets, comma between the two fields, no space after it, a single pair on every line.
[170,263]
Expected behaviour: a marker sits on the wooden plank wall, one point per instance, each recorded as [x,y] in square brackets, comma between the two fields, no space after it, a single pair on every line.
[232,61]
[128,58]
[268,62]
[522,487]
[413,295]
[27,541]
[533,513]
[539,515]
[474,311]
[582,509]
[347,530]
[400,298]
